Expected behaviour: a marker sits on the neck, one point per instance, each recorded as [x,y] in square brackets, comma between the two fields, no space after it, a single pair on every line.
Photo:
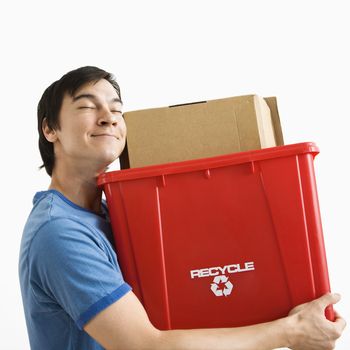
[78,185]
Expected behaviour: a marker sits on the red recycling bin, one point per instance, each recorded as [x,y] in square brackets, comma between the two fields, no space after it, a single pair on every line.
[225,241]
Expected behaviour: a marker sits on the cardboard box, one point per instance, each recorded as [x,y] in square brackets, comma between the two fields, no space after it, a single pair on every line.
[201,129]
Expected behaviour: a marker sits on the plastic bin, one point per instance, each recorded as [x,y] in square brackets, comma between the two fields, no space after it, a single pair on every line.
[218,242]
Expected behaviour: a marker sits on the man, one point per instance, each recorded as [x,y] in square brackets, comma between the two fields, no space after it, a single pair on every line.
[73,291]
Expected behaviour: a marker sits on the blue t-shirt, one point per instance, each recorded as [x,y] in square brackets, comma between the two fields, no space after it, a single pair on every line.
[68,272]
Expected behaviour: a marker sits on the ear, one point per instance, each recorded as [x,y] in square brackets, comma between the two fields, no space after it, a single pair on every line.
[50,134]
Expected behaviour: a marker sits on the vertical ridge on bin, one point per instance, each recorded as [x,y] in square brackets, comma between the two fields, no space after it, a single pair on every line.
[165,283]
[288,213]
[275,230]
[147,248]
[317,246]
[207,174]
[306,227]
[129,263]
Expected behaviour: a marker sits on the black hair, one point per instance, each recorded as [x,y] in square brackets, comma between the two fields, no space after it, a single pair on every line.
[50,104]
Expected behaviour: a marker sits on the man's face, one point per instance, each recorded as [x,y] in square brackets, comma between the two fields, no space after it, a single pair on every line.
[92,130]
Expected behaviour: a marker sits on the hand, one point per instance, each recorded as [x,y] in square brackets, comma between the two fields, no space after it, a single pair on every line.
[309,327]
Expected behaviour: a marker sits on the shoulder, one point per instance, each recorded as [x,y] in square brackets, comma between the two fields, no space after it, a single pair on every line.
[63,233]
[64,242]
[56,231]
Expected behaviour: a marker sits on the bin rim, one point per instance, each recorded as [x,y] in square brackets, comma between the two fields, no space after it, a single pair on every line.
[207,163]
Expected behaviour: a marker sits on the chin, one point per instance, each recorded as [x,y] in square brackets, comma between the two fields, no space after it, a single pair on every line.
[110,158]
[107,157]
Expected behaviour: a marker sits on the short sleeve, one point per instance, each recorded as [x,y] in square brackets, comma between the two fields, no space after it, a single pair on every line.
[70,265]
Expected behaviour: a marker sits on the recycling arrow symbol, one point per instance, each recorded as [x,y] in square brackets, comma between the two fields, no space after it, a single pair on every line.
[219,292]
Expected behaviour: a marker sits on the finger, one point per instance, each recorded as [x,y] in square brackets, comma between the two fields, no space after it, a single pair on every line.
[340,323]
[336,314]
[328,299]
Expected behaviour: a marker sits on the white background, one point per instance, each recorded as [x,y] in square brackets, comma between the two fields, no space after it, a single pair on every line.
[169,52]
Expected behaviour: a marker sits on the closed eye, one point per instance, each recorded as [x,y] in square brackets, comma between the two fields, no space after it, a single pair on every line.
[86,107]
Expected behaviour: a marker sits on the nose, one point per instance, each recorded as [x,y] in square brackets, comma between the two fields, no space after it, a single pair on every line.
[106,118]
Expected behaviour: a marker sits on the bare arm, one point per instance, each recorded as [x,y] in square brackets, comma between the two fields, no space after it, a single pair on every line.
[124,325]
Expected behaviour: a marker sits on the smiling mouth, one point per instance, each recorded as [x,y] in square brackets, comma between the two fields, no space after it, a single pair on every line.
[106,135]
